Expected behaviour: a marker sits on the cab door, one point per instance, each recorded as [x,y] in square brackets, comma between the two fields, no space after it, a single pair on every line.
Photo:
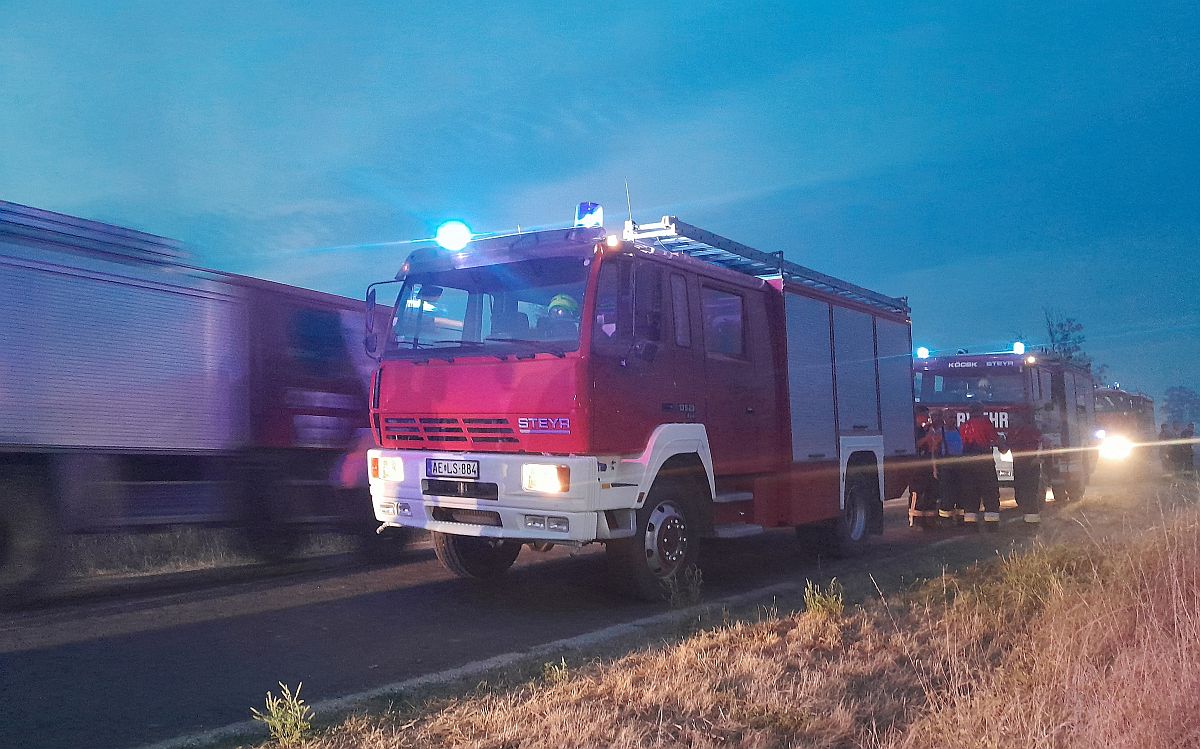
[640,370]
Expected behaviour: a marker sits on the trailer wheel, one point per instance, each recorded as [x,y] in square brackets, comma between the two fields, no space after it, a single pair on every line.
[664,543]
[475,556]
[28,540]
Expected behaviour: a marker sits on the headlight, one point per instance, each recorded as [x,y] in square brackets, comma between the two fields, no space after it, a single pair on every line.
[388,469]
[545,479]
[1100,434]
[1115,448]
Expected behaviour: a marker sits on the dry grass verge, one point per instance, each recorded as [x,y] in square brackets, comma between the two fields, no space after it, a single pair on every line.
[1090,639]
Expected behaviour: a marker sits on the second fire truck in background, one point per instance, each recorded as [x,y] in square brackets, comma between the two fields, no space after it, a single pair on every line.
[1055,393]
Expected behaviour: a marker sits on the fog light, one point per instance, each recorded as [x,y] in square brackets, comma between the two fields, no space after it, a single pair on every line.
[403,509]
[386,508]
[559,525]
[535,522]
[545,479]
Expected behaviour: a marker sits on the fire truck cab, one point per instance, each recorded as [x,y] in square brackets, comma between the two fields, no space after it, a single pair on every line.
[1056,393]
[641,391]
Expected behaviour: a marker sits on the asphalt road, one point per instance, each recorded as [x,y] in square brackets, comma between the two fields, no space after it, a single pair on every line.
[130,671]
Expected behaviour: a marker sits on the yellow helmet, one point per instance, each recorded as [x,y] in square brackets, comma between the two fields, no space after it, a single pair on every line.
[563,305]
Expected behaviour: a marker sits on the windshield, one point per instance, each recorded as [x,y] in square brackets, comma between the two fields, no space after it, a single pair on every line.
[939,389]
[519,308]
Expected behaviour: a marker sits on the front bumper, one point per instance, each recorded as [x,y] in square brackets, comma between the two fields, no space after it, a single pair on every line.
[412,501]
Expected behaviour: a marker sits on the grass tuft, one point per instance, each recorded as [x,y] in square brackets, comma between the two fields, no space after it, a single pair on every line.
[287,718]
[829,602]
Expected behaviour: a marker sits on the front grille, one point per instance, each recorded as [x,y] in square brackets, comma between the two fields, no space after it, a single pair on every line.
[465,489]
[469,517]
[445,432]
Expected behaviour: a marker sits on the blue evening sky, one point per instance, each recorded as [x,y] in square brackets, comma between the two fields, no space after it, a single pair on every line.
[986,160]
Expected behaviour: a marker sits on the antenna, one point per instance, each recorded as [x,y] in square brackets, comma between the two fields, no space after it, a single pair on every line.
[628,202]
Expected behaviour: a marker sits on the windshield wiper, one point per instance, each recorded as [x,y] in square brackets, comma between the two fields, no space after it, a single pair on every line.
[528,342]
[477,344]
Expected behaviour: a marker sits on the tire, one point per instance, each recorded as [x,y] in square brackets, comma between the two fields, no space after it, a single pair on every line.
[475,556]
[1061,495]
[29,543]
[664,543]
[846,535]
[266,534]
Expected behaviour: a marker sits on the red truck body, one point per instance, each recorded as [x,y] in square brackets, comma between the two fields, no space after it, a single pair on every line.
[766,385]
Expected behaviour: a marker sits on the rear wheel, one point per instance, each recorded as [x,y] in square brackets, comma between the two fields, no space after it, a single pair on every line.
[28,540]
[474,556]
[845,536]
[664,544]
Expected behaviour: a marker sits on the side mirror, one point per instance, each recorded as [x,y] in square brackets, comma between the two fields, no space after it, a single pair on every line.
[371,343]
[370,310]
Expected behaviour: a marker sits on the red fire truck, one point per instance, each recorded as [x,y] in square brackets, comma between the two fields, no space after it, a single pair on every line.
[1057,393]
[642,391]
[1125,421]
[1124,413]
[137,390]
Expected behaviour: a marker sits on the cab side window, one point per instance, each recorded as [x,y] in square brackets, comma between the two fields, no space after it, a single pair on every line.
[680,312]
[612,327]
[648,302]
[724,322]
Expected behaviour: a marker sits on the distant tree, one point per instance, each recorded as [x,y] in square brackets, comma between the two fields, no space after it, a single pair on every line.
[1100,374]
[1181,405]
[1065,337]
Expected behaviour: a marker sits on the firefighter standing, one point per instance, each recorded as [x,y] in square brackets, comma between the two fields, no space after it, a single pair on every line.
[980,484]
[947,467]
[1025,441]
[922,511]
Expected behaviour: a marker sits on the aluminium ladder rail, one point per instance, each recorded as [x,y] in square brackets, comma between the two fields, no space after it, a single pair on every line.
[674,235]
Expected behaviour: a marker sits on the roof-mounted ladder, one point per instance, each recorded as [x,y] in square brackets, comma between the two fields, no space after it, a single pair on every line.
[674,235]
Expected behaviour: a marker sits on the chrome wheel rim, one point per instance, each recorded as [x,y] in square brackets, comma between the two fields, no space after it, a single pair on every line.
[856,518]
[666,539]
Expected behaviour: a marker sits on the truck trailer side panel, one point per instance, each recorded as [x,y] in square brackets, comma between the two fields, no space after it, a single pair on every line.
[113,355]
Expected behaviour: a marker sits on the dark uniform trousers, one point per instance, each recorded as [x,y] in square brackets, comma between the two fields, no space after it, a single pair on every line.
[979,483]
[1027,474]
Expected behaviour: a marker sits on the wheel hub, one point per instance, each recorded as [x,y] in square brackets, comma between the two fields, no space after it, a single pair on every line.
[666,539]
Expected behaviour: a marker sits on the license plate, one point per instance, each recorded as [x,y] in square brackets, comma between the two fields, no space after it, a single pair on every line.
[451,469]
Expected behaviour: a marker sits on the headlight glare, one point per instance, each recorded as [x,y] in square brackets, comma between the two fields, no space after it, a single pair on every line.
[1115,448]
[545,479]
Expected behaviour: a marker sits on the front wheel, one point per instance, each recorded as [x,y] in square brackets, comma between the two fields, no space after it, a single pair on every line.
[28,540]
[474,556]
[663,545]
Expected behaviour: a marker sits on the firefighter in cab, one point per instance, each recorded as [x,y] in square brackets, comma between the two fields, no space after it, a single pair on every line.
[980,486]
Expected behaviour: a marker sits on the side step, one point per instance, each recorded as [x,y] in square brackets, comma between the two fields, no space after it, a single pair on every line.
[725,497]
[737,530]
